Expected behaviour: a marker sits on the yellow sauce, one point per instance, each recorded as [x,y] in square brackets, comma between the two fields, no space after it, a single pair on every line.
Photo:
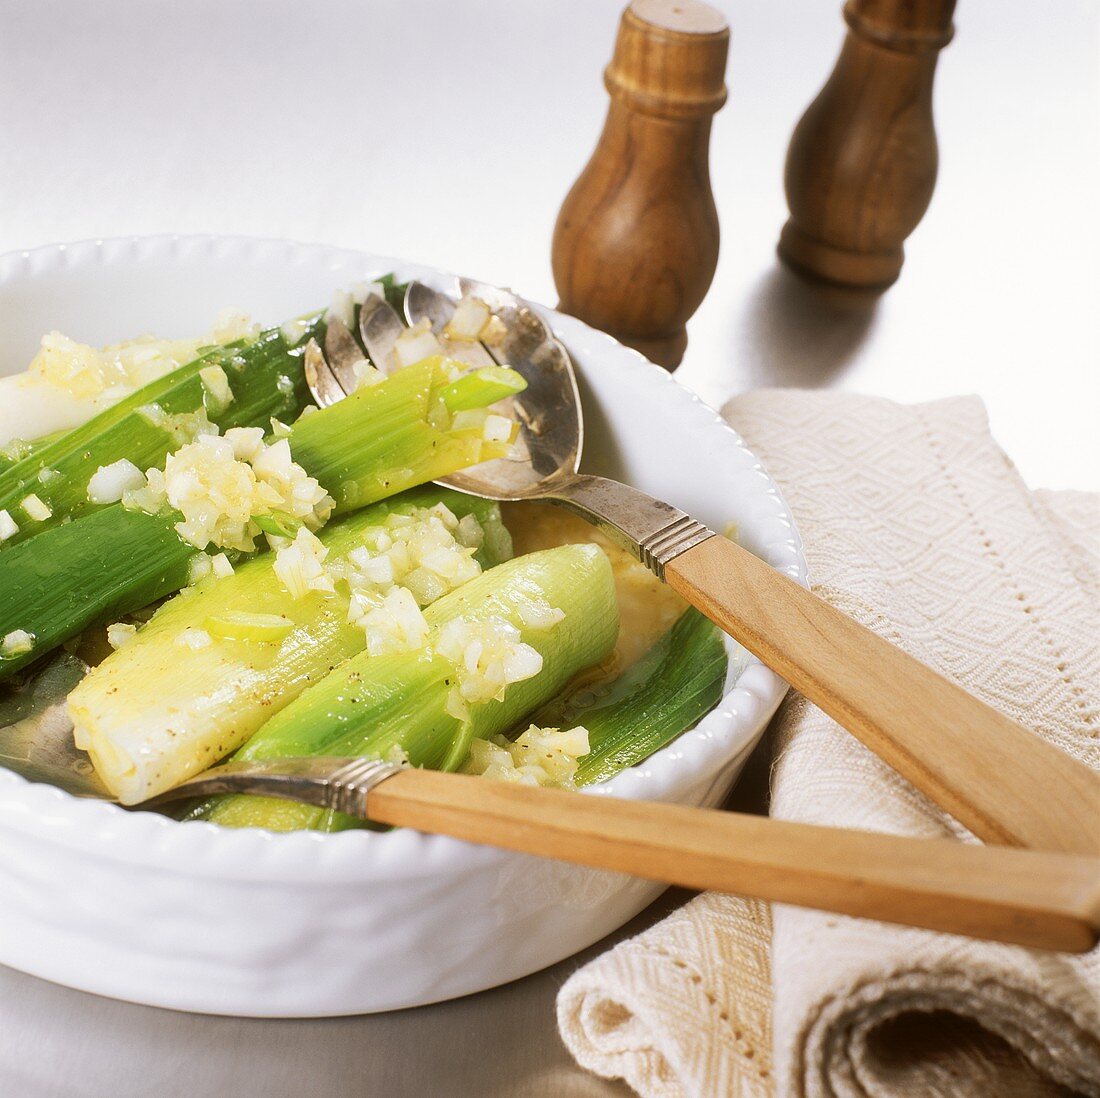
[647,607]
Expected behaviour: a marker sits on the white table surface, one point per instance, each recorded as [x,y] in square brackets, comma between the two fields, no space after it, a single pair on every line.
[449,133]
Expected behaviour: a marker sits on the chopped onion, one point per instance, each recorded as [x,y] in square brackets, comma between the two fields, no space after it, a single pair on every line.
[488,656]
[201,567]
[247,442]
[293,331]
[537,613]
[216,384]
[497,428]
[299,566]
[16,643]
[108,374]
[8,526]
[397,624]
[362,290]
[16,450]
[416,344]
[342,308]
[469,318]
[469,419]
[111,482]
[469,532]
[184,427]
[194,639]
[220,566]
[35,508]
[222,485]
[494,333]
[418,551]
[232,325]
[119,634]
[540,756]
[366,375]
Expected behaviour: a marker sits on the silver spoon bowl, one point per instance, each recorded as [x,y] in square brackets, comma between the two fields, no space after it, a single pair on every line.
[546,458]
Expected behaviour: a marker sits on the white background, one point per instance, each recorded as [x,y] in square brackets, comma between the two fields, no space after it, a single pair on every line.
[449,132]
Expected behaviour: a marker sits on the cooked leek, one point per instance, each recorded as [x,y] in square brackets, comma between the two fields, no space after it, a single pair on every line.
[399,706]
[215,663]
[678,681]
[376,443]
[264,379]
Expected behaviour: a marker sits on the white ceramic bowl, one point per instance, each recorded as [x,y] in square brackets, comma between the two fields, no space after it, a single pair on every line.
[191,916]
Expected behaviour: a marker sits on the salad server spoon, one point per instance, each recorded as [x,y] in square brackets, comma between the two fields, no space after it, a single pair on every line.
[1003,783]
[1032,898]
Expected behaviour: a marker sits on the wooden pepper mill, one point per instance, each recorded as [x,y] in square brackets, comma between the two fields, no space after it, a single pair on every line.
[636,242]
[862,162]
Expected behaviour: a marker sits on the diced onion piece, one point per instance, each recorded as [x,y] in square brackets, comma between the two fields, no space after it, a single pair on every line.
[537,613]
[232,325]
[366,375]
[469,532]
[497,428]
[8,526]
[120,633]
[396,755]
[397,624]
[194,638]
[416,344]
[240,625]
[488,656]
[362,290]
[35,508]
[294,331]
[426,586]
[299,566]
[216,384]
[184,427]
[540,756]
[16,450]
[469,318]
[109,483]
[469,419]
[342,308]
[108,374]
[419,551]
[494,333]
[247,442]
[201,566]
[16,643]
[222,485]
[221,566]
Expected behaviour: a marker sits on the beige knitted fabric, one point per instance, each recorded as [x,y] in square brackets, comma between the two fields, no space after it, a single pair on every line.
[917,525]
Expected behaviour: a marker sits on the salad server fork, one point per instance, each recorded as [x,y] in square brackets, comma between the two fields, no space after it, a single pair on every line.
[1036,899]
[995,777]
[1032,898]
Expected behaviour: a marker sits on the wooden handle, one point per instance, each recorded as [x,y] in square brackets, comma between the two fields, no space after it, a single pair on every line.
[1001,781]
[1045,901]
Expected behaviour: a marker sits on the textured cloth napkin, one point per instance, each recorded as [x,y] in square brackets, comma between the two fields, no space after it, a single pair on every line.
[918,526]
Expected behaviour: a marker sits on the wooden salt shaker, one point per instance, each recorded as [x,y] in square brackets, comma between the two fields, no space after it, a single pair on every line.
[636,241]
[862,161]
